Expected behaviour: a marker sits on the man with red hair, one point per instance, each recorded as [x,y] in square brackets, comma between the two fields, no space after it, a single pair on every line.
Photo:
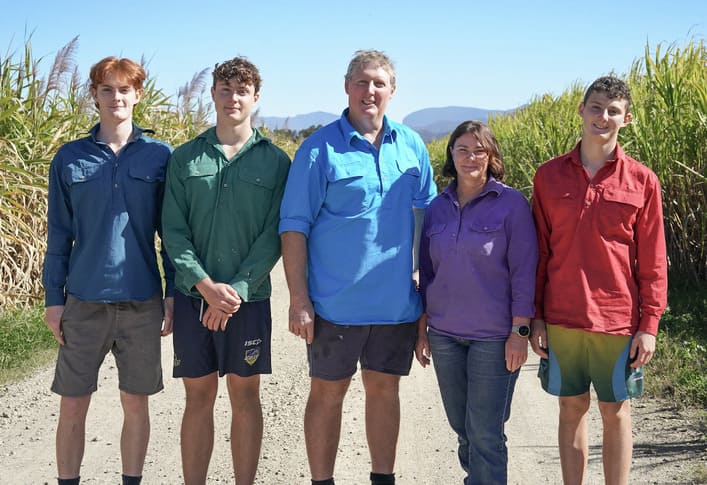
[101,276]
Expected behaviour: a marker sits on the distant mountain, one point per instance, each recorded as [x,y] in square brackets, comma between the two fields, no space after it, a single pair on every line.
[433,123]
[430,123]
[298,122]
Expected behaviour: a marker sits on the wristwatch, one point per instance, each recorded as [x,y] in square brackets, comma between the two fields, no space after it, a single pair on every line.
[522,330]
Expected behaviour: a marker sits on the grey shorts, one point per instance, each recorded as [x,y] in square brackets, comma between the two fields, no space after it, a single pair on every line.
[336,349]
[130,330]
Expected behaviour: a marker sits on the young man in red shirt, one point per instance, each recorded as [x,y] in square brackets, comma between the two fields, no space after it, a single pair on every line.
[601,279]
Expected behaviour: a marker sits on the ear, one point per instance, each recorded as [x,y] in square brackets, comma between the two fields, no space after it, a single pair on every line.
[138,95]
[628,119]
[581,109]
[346,86]
[256,97]
[213,91]
[392,90]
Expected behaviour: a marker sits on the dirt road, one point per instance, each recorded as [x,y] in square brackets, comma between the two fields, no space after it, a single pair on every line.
[666,445]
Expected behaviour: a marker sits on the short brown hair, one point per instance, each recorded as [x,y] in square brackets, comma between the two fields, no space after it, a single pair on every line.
[487,140]
[363,58]
[240,69]
[133,72]
[612,87]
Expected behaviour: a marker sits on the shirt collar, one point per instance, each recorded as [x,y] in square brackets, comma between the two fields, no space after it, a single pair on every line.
[136,134]
[350,133]
[574,155]
[492,185]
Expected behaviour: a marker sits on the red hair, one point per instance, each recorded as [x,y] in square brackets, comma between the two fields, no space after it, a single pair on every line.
[126,68]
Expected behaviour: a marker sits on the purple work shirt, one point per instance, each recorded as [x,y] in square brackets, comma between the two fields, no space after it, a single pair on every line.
[477,263]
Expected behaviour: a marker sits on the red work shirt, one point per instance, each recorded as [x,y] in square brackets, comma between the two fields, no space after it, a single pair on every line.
[602,258]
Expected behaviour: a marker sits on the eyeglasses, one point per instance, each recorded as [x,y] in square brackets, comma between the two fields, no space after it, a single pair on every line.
[463,152]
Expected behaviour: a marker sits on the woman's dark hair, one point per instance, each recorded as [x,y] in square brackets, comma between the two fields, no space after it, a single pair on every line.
[482,133]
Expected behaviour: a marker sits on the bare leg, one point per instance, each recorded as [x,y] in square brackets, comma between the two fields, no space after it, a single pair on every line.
[71,435]
[618,442]
[572,437]
[382,418]
[135,434]
[322,425]
[246,426]
[197,435]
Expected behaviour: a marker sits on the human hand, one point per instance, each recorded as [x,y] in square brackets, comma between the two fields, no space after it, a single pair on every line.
[301,318]
[422,347]
[538,337]
[516,351]
[642,349]
[220,296]
[214,319]
[168,322]
[52,317]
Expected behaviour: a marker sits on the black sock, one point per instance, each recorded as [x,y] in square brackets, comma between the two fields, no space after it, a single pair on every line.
[68,481]
[382,478]
[328,481]
[128,480]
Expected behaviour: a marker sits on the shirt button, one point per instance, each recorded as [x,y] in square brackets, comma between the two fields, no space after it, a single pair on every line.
[225,186]
[257,179]
[116,186]
[454,234]
[148,177]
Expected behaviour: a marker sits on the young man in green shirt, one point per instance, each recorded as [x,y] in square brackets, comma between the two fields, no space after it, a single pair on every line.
[220,218]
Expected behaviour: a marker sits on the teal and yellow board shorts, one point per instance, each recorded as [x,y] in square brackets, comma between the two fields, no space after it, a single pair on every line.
[578,358]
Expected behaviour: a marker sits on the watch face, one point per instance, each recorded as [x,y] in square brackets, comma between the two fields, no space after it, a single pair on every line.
[523,330]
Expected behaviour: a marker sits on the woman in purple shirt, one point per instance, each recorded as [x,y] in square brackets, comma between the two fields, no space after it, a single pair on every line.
[478,256]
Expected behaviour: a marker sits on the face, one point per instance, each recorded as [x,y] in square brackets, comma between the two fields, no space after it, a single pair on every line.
[471,160]
[603,117]
[233,101]
[369,91]
[116,98]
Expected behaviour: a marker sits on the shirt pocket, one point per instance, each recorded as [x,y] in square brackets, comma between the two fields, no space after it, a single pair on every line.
[257,176]
[620,208]
[485,238]
[200,174]
[147,173]
[563,210]
[348,191]
[82,172]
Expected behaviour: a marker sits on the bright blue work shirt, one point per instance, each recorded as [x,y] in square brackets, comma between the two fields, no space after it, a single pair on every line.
[103,212]
[354,204]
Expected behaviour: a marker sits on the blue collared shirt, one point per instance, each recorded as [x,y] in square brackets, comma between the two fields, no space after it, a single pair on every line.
[354,204]
[478,262]
[103,212]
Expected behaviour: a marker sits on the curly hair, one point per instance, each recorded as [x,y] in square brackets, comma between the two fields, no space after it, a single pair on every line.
[240,69]
[612,87]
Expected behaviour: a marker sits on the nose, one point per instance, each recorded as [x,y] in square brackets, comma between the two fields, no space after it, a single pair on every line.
[370,88]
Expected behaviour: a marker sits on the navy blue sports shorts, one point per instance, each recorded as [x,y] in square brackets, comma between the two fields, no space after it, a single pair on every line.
[242,349]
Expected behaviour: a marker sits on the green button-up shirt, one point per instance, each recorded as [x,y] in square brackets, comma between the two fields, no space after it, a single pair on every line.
[220,216]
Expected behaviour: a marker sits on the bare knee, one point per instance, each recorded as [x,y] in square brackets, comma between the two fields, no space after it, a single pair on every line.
[133,404]
[74,408]
[380,386]
[328,393]
[244,392]
[574,408]
[201,391]
[615,413]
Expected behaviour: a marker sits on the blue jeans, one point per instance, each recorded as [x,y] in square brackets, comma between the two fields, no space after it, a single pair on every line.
[476,391]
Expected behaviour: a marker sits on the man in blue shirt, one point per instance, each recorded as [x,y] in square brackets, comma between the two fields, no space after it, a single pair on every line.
[347,226]
[101,276]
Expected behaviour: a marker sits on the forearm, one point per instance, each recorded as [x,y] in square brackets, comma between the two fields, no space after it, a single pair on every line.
[294,259]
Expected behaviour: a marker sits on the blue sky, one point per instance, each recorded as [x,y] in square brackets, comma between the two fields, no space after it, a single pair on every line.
[493,54]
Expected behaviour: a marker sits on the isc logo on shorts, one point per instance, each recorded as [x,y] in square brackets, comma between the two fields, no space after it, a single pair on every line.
[250,343]
[251,355]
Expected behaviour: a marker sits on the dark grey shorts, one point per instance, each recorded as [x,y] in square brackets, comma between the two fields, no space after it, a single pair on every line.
[242,349]
[336,349]
[130,330]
